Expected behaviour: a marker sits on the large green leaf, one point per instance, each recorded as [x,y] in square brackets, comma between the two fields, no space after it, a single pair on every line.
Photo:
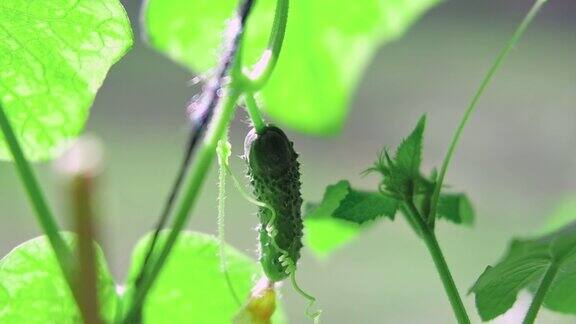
[327,47]
[33,289]
[523,267]
[54,55]
[192,287]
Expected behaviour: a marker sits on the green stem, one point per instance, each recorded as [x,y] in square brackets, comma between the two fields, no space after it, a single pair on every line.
[198,173]
[223,156]
[254,112]
[483,85]
[43,213]
[262,70]
[441,266]
[541,293]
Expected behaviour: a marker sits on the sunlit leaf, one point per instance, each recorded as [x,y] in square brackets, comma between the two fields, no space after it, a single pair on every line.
[54,56]
[192,287]
[327,47]
[33,289]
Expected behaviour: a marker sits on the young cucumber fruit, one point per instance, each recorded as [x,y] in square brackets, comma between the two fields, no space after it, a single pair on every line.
[274,173]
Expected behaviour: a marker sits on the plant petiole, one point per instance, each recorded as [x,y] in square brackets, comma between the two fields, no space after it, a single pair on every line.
[473,103]
[254,112]
[541,293]
[260,73]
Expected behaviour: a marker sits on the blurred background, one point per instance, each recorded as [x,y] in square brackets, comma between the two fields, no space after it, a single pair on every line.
[517,159]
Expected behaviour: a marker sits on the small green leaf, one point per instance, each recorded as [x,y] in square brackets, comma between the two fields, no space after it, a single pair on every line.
[324,54]
[456,208]
[54,56]
[402,174]
[409,153]
[33,289]
[342,202]
[338,218]
[523,267]
[192,287]
[361,206]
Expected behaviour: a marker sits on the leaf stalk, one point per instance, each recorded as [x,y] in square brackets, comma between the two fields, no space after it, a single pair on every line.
[541,293]
[262,70]
[473,103]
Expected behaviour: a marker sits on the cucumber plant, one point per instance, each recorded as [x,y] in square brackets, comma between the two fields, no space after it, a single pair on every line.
[267,55]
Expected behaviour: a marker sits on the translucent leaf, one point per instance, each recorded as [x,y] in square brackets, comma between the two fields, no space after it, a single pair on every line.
[327,47]
[54,56]
[192,286]
[33,289]
[325,235]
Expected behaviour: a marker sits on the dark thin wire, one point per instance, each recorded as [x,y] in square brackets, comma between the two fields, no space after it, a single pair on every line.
[202,113]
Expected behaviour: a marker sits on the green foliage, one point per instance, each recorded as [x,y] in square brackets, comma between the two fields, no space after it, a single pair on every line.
[33,289]
[401,175]
[362,206]
[402,178]
[338,218]
[409,152]
[324,233]
[343,212]
[456,208]
[54,56]
[192,287]
[324,54]
[524,267]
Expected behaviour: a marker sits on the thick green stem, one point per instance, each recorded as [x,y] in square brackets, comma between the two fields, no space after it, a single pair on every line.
[441,266]
[43,213]
[198,175]
[483,85]
[541,293]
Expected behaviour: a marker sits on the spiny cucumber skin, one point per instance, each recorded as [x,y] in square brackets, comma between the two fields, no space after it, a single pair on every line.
[274,173]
